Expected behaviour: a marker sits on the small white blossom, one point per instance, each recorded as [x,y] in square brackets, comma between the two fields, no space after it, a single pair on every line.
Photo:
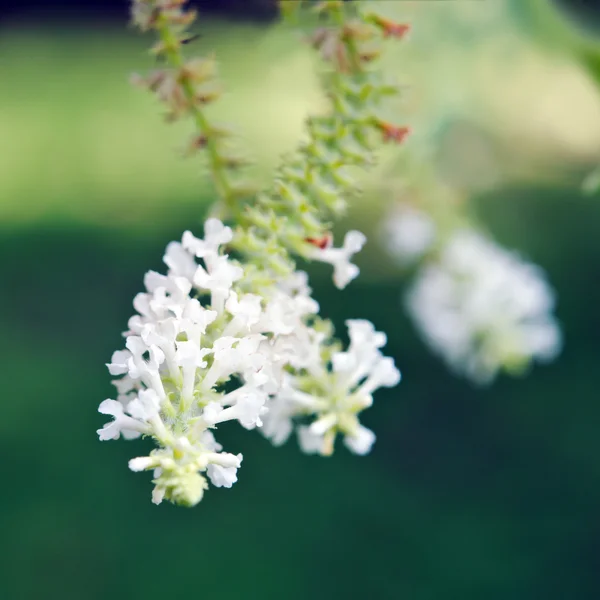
[141,463]
[248,408]
[333,397]
[484,309]
[218,279]
[310,442]
[361,441]
[179,261]
[119,362]
[122,424]
[246,312]
[222,475]
[343,270]
[215,235]
[145,406]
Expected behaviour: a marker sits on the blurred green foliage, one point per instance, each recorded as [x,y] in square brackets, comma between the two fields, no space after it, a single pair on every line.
[72,128]
[468,493]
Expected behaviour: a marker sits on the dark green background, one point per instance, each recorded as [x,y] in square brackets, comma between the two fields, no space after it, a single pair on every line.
[468,494]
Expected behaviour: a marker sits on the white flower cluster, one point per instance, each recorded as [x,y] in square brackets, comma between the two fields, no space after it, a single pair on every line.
[484,309]
[329,388]
[199,353]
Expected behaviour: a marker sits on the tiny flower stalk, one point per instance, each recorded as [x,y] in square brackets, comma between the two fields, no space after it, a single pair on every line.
[231,332]
[187,86]
[309,187]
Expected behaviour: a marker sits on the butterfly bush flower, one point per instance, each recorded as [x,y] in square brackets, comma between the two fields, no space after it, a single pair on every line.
[332,388]
[180,353]
[484,309]
[231,331]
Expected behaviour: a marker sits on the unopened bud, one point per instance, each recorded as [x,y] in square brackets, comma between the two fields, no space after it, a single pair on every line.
[388,27]
[392,133]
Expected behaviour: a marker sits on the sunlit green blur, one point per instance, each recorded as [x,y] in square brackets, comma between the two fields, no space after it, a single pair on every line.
[469,493]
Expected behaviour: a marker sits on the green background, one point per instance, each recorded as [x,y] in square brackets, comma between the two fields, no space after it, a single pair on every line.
[469,493]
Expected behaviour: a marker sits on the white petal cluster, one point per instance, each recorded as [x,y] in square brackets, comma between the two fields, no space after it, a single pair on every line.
[178,355]
[330,390]
[408,233]
[484,309]
[199,353]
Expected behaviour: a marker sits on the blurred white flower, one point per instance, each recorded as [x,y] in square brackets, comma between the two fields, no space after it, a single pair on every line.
[408,233]
[484,309]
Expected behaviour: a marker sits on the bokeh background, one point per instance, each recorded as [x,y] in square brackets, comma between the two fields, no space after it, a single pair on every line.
[469,493]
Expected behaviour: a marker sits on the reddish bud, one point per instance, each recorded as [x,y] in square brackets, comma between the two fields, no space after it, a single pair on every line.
[322,242]
[390,28]
[393,133]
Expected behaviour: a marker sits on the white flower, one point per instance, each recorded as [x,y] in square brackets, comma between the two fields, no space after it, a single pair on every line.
[277,422]
[277,425]
[284,314]
[361,441]
[207,439]
[180,261]
[343,270]
[145,407]
[195,319]
[224,476]
[167,294]
[186,368]
[249,407]
[165,297]
[158,494]
[333,397]
[146,370]
[234,355]
[383,374]
[218,280]
[484,309]
[310,443]
[408,233]
[296,285]
[190,357]
[162,335]
[119,362]
[141,463]
[246,312]
[215,235]
[121,425]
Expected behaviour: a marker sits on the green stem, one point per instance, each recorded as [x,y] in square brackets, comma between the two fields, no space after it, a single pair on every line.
[338,12]
[176,59]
